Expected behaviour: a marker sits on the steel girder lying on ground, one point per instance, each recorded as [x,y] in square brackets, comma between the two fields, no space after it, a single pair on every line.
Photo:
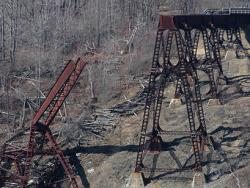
[176,30]
[16,157]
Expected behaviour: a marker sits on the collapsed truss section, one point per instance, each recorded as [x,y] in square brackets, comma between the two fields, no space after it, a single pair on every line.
[17,158]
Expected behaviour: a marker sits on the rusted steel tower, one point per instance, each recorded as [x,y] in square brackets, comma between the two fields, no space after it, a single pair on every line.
[183,31]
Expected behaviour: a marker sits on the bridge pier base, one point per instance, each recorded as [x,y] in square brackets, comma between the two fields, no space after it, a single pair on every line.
[199,180]
[135,180]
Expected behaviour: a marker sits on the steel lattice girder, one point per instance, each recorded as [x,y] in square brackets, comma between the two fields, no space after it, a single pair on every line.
[203,21]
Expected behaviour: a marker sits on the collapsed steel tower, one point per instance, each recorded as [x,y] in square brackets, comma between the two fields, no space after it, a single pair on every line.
[183,31]
[17,158]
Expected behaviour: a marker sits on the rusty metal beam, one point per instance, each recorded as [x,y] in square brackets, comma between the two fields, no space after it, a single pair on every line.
[201,21]
[40,125]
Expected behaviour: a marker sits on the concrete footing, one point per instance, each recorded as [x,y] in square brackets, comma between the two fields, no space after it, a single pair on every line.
[213,102]
[135,181]
[244,67]
[198,180]
[175,103]
[206,148]
[230,54]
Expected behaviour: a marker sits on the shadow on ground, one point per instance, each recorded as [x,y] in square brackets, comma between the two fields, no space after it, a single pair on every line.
[222,156]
